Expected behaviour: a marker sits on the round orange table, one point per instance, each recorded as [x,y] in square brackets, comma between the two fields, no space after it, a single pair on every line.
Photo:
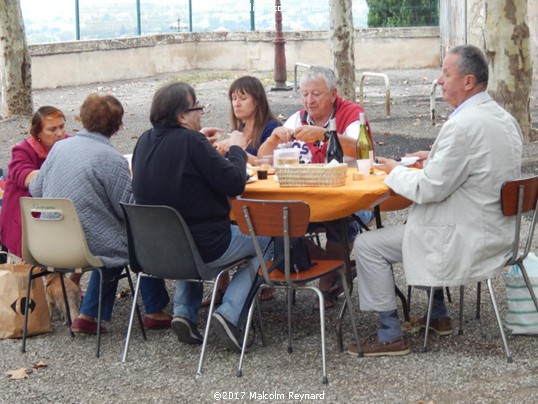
[326,203]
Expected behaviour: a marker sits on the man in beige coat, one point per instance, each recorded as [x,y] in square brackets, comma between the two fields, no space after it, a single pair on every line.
[455,232]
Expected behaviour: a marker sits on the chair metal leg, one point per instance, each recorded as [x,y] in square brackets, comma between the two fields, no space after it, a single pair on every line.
[428,318]
[208,323]
[462,290]
[212,309]
[289,290]
[258,307]
[26,307]
[131,318]
[528,283]
[99,308]
[325,380]
[66,301]
[499,321]
[478,298]
[239,372]
[138,314]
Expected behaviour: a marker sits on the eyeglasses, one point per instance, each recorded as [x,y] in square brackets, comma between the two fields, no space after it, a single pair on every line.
[196,107]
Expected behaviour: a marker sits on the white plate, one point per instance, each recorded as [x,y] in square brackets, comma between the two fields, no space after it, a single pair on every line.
[408,161]
[252,179]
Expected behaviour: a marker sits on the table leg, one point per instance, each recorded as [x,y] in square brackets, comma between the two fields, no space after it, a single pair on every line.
[377,213]
[349,278]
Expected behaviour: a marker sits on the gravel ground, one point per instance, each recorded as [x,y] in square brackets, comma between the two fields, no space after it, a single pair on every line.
[470,368]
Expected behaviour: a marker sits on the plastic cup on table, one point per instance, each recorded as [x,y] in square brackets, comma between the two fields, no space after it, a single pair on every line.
[363,166]
[262,167]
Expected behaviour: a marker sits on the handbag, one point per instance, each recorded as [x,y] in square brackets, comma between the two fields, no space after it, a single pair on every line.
[13,284]
[299,254]
[522,317]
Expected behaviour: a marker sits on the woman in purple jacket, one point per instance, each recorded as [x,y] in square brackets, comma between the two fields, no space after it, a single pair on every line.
[27,157]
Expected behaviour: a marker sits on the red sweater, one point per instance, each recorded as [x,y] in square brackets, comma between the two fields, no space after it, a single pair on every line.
[26,156]
[345,113]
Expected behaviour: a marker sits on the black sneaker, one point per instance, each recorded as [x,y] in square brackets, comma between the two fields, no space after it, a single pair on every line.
[186,331]
[227,332]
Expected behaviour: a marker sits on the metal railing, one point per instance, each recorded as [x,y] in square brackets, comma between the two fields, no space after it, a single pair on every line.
[111,19]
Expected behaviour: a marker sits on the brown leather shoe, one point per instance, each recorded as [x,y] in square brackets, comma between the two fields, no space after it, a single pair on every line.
[441,326]
[372,347]
[206,302]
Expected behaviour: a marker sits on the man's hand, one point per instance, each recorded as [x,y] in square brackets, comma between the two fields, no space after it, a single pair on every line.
[212,134]
[222,146]
[387,165]
[310,133]
[280,134]
[422,155]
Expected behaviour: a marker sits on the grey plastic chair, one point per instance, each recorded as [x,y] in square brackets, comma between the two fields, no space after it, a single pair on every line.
[161,245]
[53,240]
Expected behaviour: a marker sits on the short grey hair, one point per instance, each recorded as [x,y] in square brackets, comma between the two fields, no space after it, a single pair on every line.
[318,72]
[472,61]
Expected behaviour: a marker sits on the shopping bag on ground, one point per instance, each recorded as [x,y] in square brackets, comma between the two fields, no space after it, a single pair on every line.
[522,317]
[13,283]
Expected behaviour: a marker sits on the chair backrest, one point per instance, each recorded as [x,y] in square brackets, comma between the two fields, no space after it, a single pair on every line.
[268,216]
[52,235]
[161,244]
[518,197]
[274,219]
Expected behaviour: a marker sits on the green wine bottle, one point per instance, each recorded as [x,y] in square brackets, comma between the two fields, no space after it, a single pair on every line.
[364,148]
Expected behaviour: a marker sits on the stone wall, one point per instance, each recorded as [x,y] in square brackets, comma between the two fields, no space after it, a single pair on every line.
[83,62]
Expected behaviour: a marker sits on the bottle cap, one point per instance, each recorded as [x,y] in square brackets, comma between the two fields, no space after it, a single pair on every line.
[332,125]
[362,118]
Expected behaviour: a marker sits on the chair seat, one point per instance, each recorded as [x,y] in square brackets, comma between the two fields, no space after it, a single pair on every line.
[318,269]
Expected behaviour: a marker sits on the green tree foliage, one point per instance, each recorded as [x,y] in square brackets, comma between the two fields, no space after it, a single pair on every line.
[402,13]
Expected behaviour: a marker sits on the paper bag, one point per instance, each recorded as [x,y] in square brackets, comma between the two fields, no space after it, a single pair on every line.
[13,283]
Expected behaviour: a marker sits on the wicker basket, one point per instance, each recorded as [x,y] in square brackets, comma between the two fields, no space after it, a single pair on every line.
[312,175]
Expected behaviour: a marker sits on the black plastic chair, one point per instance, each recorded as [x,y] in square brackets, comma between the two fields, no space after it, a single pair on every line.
[161,245]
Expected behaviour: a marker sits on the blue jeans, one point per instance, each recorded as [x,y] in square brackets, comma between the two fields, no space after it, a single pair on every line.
[154,294]
[334,228]
[188,296]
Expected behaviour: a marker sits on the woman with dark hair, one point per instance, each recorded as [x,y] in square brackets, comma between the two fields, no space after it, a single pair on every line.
[46,128]
[250,114]
[174,164]
[89,171]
